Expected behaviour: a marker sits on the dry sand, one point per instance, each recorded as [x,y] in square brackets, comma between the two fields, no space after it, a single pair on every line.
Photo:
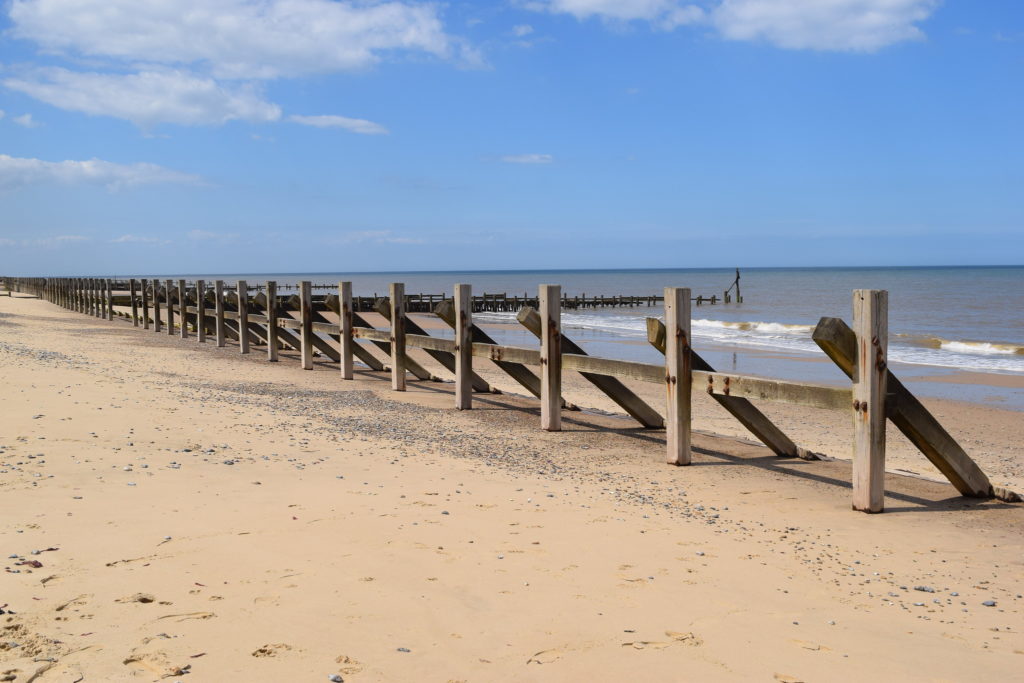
[205,516]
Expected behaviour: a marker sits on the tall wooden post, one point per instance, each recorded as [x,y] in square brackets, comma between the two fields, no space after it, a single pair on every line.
[678,374]
[218,303]
[397,292]
[156,305]
[243,316]
[145,303]
[550,309]
[306,320]
[463,347]
[870,323]
[110,298]
[183,308]
[201,311]
[169,287]
[272,321]
[345,327]
[132,284]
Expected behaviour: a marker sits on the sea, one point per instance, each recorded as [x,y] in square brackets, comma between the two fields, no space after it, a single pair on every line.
[955,332]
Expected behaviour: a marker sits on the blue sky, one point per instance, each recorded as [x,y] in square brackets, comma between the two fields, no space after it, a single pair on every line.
[315,135]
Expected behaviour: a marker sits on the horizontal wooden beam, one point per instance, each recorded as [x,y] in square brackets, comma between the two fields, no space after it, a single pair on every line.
[512,354]
[774,390]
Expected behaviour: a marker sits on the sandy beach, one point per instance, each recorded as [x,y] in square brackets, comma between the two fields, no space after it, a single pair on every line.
[184,512]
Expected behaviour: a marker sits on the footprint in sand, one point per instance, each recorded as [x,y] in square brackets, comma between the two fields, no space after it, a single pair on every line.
[271,650]
[348,665]
[144,598]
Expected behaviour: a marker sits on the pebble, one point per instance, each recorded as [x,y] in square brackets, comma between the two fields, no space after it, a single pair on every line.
[989,603]
[335,678]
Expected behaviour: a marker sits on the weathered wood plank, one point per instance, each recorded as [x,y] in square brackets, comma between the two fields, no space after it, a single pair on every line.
[626,399]
[742,409]
[145,303]
[182,311]
[157,323]
[306,318]
[271,321]
[396,292]
[678,375]
[550,301]
[218,312]
[345,341]
[512,354]
[169,291]
[446,359]
[774,390]
[870,324]
[132,286]
[909,415]
[201,316]
[242,296]
[463,347]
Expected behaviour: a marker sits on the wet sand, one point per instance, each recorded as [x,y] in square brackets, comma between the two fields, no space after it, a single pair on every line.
[200,512]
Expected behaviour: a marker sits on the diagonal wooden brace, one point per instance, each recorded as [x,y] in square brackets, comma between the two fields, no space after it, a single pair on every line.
[839,343]
[446,359]
[445,310]
[756,422]
[614,388]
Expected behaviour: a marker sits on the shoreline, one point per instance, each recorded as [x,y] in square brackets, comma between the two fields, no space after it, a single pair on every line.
[239,517]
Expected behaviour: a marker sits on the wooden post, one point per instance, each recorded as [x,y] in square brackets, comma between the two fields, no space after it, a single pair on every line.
[110,298]
[272,321]
[156,305]
[135,302]
[345,327]
[306,320]
[397,292]
[678,374]
[243,316]
[145,303]
[550,310]
[201,311]
[183,309]
[218,310]
[169,287]
[870,323]
[463,347]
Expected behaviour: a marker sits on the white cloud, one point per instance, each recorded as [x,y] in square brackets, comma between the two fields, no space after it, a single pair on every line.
[138,239]
[2,114]
[842,25]
[18,172]
[146,98]
[329,121]
[522,30]
[663,14]
[26,120]
[207,236]
[847,25]
[372,237]
[235,39]
[528,159]
[53,242]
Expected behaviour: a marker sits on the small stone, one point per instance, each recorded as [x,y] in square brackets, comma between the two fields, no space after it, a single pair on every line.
[925,589]
[404,649]
[989,603]
[335,678]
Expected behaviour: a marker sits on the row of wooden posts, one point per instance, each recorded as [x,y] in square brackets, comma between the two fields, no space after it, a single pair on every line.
[874,396]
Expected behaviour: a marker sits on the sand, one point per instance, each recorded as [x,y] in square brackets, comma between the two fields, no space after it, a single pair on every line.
[205,516]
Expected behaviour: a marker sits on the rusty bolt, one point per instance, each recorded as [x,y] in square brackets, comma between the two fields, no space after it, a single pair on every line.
[856,405]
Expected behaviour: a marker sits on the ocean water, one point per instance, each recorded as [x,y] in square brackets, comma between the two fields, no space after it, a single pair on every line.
[943,321]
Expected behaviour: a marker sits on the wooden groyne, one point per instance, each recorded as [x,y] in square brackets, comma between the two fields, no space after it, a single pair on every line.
[261,317]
